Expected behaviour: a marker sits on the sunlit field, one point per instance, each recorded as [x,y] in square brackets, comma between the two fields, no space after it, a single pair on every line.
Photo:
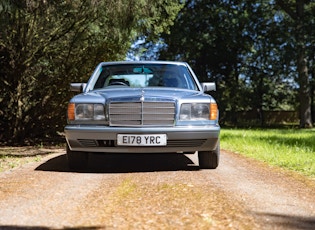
[292,149]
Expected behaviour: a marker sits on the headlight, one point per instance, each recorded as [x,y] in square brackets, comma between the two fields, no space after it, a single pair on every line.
[85,112]
[198,111]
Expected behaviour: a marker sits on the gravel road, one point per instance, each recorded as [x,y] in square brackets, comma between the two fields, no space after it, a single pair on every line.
[154,192]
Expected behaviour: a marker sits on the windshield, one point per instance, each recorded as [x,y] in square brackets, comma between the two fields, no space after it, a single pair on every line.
[145,75]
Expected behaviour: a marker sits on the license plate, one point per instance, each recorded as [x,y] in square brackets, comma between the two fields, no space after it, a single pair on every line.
[141,140]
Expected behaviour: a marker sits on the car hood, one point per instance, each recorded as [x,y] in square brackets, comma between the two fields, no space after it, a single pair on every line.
[139,94]
[149,94]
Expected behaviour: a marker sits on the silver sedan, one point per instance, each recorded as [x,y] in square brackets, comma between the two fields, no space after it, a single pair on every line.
[143,107]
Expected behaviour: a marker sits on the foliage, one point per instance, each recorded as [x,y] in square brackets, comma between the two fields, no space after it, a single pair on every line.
[250,48]
[45,45]
[300,20]
[260,53]
[288,148]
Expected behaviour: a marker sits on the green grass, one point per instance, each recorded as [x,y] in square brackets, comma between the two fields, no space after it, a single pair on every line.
[293,149]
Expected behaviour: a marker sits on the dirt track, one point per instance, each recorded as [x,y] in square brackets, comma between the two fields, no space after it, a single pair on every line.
[154,192]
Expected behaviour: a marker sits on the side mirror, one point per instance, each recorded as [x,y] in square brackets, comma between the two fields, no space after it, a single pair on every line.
[77,87]
[208,86]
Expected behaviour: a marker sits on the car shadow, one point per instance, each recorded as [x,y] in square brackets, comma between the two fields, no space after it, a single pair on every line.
[288,221]
[124,163]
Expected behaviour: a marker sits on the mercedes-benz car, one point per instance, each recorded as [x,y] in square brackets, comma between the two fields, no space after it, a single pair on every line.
[143,107]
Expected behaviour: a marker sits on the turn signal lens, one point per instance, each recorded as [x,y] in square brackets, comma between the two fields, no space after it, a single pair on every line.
[71,107]
[213,111]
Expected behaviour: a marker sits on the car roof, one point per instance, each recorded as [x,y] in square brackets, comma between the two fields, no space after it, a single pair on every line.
[144,62]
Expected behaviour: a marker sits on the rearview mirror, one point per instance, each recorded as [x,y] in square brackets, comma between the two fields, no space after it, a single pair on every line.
[142,70]
[208,86]
[77,87]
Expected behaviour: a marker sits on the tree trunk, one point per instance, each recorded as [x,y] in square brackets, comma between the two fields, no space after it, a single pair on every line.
[304,93]
[312,91]
[18,126]
[304,90]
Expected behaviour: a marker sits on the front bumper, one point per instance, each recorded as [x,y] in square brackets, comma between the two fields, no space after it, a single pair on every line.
[179,139]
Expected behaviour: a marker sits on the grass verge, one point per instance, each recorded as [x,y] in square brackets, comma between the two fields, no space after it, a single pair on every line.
[12,157]
[293,149]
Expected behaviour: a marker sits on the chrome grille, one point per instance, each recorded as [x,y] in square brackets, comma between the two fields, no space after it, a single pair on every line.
[141,113]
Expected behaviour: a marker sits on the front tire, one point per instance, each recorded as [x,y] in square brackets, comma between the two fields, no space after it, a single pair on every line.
[209,159]
[77,160]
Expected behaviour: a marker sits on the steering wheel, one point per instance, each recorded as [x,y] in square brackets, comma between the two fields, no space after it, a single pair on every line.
[119,83]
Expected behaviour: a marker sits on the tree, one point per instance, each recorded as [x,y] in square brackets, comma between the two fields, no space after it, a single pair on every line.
[248,49]
[210,36]
[301,13]
[45,45]
[267,67]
